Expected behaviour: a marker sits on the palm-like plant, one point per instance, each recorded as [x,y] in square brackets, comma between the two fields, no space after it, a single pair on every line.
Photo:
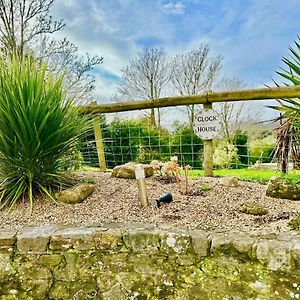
[288,132]
[38,127]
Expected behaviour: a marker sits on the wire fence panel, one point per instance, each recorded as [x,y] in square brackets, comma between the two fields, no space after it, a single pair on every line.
[129,140]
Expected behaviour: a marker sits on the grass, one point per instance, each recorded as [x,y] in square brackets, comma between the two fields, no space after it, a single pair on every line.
[262,176]
[89,168]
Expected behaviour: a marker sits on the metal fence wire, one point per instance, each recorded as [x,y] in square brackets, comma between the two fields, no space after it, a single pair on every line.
[128,140]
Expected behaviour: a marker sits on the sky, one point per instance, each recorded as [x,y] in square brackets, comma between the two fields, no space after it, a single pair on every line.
[251,35]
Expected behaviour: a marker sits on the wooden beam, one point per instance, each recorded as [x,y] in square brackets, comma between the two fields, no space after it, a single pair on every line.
[240,95]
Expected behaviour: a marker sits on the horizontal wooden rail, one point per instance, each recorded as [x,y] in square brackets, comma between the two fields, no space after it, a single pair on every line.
[240,95]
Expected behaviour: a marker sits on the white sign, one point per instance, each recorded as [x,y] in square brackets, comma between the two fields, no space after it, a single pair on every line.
[207,124]
[139,171]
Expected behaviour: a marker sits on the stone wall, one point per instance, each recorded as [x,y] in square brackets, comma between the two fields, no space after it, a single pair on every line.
[140,261]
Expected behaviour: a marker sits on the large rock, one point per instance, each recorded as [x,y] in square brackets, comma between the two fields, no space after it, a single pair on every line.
[75,194]
[229,181]
[128,171]
[279,187]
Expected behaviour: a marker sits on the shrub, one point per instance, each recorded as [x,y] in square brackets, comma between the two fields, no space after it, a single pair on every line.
[225,154]
[240,141]
[131,140]
[187,146]
[288,133]
[39,128]
[262,149]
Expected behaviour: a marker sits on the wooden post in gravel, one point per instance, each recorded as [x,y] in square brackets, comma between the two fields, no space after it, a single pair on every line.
[99,140]
[208,151]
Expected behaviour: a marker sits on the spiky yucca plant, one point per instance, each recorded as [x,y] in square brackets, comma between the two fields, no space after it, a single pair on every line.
[289,131]
[38,126]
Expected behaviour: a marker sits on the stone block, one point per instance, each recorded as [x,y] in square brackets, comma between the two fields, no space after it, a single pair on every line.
[7,237]
[176,241]
[6,267]
[276,255]
[142,240]
[231,243]
[115,293]
[108,239]
[200,242]
[35,239]
[80,238]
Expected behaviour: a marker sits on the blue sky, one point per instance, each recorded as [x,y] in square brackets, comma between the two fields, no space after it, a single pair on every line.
[251,35]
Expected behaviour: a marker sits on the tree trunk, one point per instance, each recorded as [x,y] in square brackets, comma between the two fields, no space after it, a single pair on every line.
[158,118]
[152,117]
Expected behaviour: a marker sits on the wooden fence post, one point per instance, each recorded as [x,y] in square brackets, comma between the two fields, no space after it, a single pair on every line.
[99,140]
[208,151]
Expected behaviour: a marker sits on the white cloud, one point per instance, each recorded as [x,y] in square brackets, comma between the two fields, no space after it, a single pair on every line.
[251,35]
[174,8]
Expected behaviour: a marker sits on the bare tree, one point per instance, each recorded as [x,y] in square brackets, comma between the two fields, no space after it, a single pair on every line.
[62,56]
[25,27]
[232,114]
[21,21]
[194,73]
[145,78]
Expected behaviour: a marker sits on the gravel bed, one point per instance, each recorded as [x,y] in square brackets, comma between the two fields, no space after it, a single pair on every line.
[116,200]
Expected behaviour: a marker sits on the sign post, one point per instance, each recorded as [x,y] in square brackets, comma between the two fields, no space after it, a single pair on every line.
[140,177]
[207,125]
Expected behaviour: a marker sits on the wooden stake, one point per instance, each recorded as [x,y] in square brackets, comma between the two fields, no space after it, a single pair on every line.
[99,140]
[208,151]
[140,177]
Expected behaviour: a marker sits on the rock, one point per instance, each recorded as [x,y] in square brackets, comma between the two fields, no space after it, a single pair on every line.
[253,208]
[75,194]
[279,187]
[229,181]
[128,171]
[274,254]
[35,239]
[294,223]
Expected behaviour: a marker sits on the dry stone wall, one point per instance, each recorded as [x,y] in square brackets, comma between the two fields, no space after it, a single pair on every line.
[141,261]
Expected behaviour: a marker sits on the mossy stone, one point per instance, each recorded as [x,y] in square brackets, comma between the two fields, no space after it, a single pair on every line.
[253,208]
[294,224]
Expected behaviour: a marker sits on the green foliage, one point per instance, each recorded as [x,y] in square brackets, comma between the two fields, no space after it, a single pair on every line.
[187,146]
[225,155]
[88,180]
[39,128]
[127,140]
[294,224]
[205,187]
[240,141]
[261,150]
[288,133]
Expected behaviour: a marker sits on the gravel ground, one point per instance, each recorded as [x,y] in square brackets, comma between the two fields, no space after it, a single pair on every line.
[116,200]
